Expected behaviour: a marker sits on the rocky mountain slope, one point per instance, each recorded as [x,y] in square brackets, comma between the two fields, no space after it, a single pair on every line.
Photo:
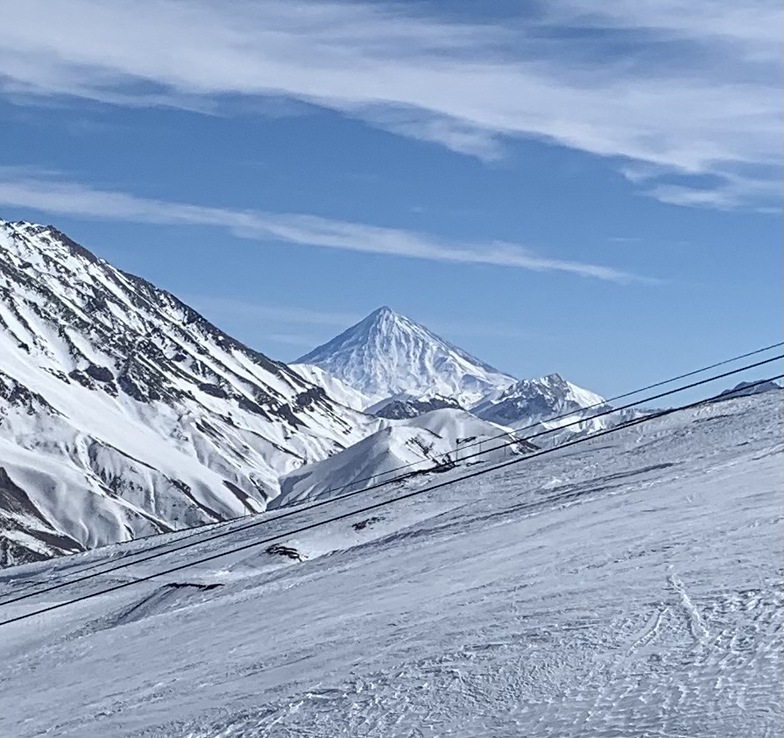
[123,412]
[551,404]
[532,400]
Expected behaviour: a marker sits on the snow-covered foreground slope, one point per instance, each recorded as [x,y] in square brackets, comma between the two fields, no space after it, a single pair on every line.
[123,412]
[438,438]
[628,586]
[388,354]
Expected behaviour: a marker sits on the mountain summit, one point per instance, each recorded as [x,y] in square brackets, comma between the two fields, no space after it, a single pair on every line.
[387,355]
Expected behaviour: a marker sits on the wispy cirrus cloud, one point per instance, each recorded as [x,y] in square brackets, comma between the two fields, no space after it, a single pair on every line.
[49,194]
[683,87]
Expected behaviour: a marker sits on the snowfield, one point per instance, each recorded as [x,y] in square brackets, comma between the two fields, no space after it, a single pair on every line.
[628,586]
[401,447]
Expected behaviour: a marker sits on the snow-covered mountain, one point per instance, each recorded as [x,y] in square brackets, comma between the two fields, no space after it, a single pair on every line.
[387,354]
[400,369]
[550,404]
[123,412]
[533,400]
[744,389]
[433,440]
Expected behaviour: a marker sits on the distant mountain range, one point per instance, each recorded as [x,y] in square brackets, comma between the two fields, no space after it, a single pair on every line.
[123,412]
[400,369]
[746,389]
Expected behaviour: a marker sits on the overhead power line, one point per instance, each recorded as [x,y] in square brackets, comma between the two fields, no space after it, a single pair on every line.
[374,506]
[185,542]
[387,480]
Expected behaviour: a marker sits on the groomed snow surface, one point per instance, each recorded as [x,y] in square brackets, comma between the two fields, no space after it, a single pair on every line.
[628,586]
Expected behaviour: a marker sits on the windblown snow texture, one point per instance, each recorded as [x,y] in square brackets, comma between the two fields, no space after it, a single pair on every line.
[123,412]
[627,586]
[387,354]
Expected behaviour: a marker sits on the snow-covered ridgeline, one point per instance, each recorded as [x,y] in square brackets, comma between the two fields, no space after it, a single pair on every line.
[123,412]
[388,354]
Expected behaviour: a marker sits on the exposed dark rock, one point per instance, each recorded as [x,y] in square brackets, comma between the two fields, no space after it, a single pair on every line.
[101,373]
[214,390]
[276,549]
[411,408]
[366,523]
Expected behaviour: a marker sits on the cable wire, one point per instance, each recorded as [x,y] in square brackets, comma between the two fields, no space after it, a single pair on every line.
[124,563]
[384,503]
[200,530]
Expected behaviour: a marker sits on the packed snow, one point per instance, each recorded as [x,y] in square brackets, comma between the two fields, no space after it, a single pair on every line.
[630,585]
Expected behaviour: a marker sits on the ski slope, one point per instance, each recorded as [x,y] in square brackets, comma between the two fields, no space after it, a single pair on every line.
[630,585]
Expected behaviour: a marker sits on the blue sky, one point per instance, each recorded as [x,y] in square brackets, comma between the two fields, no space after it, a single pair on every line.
[555,186]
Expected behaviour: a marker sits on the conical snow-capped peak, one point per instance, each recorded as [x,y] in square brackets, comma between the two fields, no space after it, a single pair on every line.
[388,354]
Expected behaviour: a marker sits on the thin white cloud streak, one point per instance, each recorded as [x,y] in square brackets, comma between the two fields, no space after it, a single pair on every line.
[752,27]
[69,198]
[731,193]
[467,87]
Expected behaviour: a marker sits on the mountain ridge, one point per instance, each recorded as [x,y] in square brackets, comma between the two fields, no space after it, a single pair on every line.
[387,354]
[124,412]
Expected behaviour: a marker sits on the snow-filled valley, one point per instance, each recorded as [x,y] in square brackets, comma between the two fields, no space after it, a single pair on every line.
[629,585]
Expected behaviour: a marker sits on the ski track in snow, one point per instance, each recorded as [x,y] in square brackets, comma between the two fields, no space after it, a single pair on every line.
[630,586]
